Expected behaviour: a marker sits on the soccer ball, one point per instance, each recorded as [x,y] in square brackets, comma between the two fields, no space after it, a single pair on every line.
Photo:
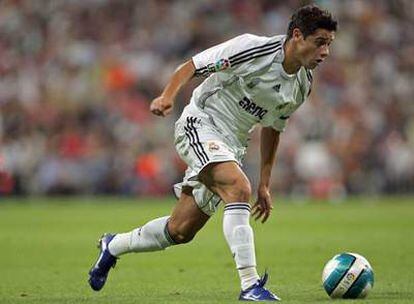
[348,276]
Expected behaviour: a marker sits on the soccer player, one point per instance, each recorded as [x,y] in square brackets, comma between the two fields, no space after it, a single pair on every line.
[249,80]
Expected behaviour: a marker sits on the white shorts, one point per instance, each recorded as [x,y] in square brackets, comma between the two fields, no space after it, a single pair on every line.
[199,143]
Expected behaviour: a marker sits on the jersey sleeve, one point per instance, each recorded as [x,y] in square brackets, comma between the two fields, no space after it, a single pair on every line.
[279,124]
[233,55]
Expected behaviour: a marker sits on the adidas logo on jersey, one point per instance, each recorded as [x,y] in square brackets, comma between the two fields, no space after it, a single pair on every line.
[250,107]
[277,88]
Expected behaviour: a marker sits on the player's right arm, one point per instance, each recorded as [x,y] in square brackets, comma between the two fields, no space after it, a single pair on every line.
[163,104]
[232,56]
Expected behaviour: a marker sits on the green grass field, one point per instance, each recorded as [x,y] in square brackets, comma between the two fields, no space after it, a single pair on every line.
[48,245]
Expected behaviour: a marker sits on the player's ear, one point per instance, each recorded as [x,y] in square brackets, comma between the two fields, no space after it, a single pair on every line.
[297,34]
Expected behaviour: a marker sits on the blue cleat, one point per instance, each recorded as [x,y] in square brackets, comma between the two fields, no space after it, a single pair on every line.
[106,261]
[258,292]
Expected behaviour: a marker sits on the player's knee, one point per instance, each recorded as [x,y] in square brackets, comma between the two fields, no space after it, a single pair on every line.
[180,236]
[246,191]
[240,191]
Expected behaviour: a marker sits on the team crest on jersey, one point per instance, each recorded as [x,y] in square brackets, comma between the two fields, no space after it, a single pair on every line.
[217,147]
[220,65]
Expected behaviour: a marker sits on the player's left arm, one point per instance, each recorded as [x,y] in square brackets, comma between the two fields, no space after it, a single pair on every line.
[269,141]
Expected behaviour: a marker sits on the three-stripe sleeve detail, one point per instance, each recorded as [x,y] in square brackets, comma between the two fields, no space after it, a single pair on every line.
[243,56]
[255,52]
[201,71]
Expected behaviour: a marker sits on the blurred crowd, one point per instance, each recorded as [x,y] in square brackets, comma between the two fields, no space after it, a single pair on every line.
[77,78]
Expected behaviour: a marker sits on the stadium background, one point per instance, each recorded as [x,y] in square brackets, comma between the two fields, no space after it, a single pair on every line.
[77,78]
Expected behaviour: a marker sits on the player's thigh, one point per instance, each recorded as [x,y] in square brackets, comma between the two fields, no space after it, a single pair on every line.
[228,180]
[186,218]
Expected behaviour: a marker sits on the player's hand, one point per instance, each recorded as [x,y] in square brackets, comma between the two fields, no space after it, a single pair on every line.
[263,206]
[161,106]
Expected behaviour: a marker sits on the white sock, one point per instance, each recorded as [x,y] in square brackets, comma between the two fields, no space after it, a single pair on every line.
[239,236]
[153,236]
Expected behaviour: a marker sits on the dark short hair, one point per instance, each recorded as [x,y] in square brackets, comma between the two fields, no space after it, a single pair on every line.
[309,18]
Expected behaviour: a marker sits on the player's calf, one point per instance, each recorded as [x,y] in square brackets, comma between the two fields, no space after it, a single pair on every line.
[153,236]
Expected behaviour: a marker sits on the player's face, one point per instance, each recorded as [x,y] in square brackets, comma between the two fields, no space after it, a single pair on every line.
[315,48]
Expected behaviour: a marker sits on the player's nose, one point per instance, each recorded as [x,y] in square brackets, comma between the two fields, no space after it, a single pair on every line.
[325,52]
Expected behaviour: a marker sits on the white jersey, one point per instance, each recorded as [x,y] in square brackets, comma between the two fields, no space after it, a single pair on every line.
[246,84]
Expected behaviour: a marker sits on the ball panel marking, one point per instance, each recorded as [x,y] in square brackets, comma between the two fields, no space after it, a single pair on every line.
[345,261]
[347,275]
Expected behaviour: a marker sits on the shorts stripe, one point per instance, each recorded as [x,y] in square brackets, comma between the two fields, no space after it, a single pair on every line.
[192,136]
[217,203]
[192,146]
[193,119]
